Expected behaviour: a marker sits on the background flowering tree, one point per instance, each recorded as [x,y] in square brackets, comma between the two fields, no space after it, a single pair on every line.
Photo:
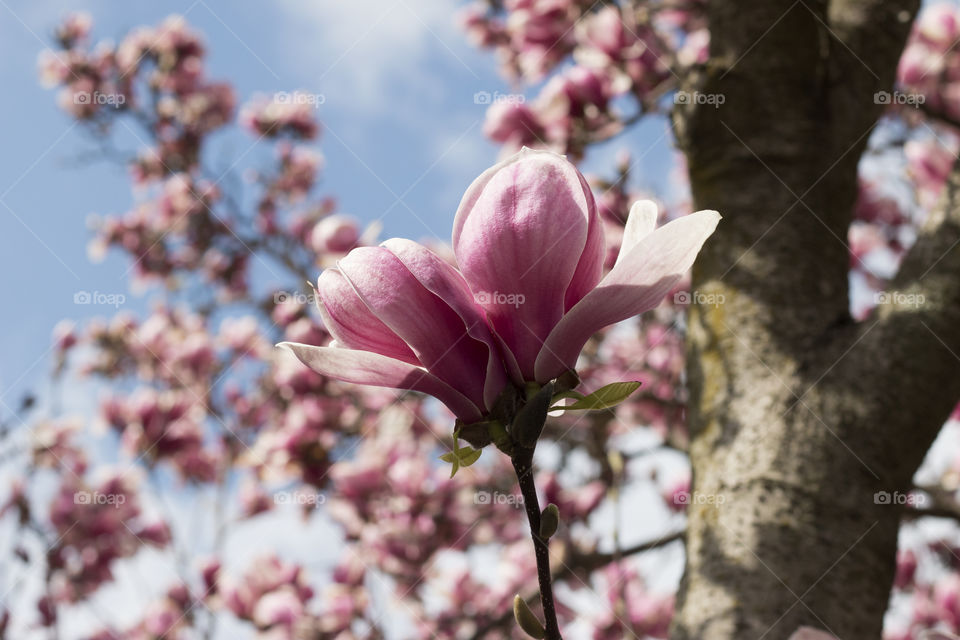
[805,373]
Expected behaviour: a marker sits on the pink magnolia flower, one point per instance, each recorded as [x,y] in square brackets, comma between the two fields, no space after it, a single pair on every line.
[514,124]
[528,296]
[335,233]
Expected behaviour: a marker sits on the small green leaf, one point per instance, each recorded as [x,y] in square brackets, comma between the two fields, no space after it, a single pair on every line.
[468,457]
[603,398]
[453,459]
[461,457]
[526,619]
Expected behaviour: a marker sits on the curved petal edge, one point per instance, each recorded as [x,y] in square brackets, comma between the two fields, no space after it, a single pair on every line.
[364,367]
[637,283]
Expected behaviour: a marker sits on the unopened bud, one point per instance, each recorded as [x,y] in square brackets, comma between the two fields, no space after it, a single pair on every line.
[549,521]
[525,618]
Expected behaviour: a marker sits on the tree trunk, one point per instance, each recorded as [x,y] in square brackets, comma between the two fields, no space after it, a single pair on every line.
[799,415]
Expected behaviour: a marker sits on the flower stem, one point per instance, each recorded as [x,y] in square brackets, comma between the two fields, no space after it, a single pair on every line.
[522,460]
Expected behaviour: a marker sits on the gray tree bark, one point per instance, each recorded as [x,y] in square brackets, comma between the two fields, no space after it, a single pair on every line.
[799,415]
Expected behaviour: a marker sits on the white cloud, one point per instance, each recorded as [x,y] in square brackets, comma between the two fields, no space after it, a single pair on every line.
[368,55]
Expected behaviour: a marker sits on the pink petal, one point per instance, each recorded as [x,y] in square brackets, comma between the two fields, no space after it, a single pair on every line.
[443,280]
[520,231]
[352,324]
[590,266]
[364,367]
[637,283]
[434,331]
[641,221]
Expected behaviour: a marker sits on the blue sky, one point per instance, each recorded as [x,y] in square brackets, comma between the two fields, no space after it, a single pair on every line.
[402,137]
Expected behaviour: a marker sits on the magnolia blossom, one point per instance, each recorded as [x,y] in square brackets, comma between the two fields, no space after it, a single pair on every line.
[334,234]
[514,124]
[529,293]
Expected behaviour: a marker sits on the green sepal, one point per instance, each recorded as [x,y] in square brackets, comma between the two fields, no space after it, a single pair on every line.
[529,421]
[505,406]
[478,434]
[501,438]
[568,380]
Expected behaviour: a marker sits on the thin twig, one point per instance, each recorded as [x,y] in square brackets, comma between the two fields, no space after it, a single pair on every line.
[522,460]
